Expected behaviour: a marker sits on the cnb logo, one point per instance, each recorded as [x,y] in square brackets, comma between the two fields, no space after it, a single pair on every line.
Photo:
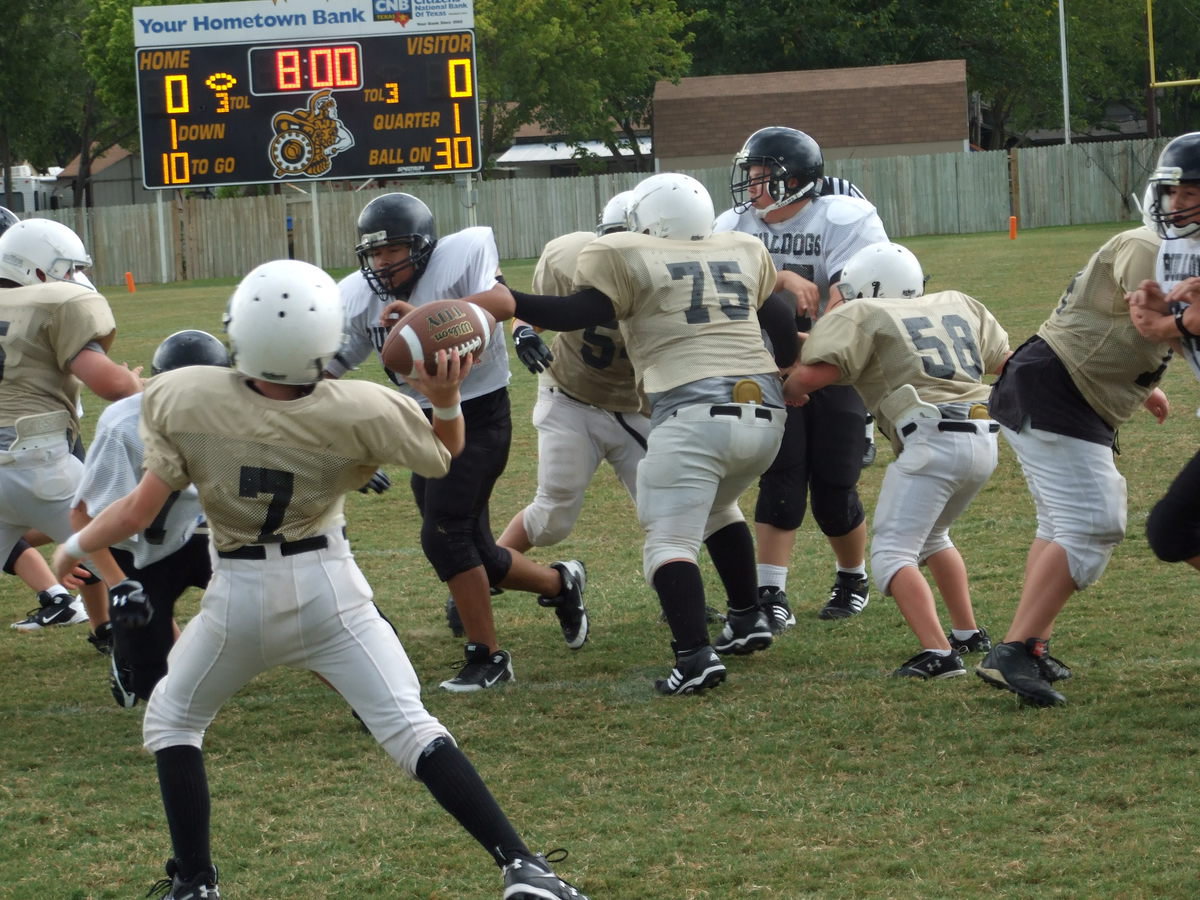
[392,11]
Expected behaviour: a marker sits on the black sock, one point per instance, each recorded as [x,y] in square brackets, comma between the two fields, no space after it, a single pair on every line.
[732,552]
[185,799]
[681,593]
[454,783]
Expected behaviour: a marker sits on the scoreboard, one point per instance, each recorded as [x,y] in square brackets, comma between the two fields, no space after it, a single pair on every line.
[371,98]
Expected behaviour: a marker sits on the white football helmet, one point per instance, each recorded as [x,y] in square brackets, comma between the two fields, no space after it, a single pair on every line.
[39,250]
[882,270]
[671,205]
[615,212]
[284,322]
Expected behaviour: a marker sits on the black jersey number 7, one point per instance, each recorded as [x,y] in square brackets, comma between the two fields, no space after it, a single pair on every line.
[731,296]
[278,484]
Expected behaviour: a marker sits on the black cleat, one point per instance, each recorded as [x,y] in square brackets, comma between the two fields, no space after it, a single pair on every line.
[1013,667]
[568,606]
[848,597]
[774,604]
[979,642]
[744,632]
[695,672]
[927,665]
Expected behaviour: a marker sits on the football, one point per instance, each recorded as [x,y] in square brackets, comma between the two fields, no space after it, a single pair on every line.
[439,325]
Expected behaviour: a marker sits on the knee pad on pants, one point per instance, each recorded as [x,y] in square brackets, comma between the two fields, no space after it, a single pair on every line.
[548,522]
[886,561]
[837,510]
[449,545]
[667,540]
[1173,531]
[782,500]
[1088,555]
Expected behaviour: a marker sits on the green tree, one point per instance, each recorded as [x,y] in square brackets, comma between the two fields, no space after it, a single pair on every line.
[42,93]
[583,71]
[1011,48]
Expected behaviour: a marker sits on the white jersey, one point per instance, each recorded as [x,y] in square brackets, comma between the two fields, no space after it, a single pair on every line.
[1178,260]
[461,264]
[817,241]
[113,468]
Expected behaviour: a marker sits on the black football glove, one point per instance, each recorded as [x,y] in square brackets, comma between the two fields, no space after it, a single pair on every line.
[531,349]
[379,483]
[128,605]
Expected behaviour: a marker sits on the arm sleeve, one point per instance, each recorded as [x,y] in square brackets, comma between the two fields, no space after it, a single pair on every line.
[778,319]
[580,310]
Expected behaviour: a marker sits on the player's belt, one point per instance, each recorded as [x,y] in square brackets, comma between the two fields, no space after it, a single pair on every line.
[557,390]
[287,548]
[760,412]
[953,425]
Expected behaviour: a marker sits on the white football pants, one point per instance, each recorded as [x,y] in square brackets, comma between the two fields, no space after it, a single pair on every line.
[573,439]
[924,490]
[696,467]
[309,611]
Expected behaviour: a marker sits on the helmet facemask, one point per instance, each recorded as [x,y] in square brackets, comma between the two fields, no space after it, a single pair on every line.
[1171,223]
[395,279]
[1179,164]
[776,180]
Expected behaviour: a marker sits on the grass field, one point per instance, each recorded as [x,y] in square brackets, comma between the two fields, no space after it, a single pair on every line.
[808,774]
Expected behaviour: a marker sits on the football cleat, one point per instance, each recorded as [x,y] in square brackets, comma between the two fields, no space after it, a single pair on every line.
[1052,669]
[531,878]
[744,632]
[695,672]
[568,606]
[848,597]
[120,682]
[927,665]
[483,670]
[1013,667]
[201,886]
[102,638]
[774,603]
[979,642]
[55,609]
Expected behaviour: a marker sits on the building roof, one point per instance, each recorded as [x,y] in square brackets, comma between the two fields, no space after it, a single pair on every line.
[917,103]
[808,81]
[109,157]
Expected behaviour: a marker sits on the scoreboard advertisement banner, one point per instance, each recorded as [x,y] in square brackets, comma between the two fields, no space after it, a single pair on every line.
[261,92]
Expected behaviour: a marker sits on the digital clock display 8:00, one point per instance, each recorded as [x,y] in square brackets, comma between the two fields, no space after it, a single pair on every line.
[282,70]
[380,106]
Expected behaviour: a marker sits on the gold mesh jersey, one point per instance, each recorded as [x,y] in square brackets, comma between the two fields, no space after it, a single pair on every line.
[941,344]
[42,328]
[1113,366]
[688,309]
[590,364]
[271,470]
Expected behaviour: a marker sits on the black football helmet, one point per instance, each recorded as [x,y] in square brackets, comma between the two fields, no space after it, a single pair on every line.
[189,348]
[1179,163]
[794,164]
[7,219]
[395,219]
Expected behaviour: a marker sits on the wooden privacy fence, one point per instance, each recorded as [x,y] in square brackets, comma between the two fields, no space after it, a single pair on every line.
[188,238]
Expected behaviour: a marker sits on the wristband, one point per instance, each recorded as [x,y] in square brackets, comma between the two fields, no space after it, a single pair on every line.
[71,547]
[1179,311]
[447,413]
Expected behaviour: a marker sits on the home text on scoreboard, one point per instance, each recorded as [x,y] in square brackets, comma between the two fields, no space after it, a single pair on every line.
[378,106]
